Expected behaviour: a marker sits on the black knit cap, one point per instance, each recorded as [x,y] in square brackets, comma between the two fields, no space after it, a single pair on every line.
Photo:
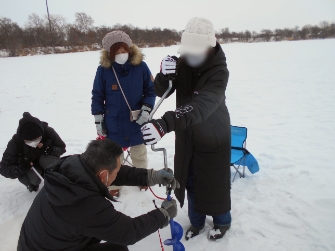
[29,127]
[30,131]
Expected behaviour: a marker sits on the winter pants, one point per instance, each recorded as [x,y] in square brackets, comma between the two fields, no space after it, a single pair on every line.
[139,158]
[106,247]
[198,219]
[30,177]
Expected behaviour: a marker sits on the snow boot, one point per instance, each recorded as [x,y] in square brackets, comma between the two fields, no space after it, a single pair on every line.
[217,232]
[192,232]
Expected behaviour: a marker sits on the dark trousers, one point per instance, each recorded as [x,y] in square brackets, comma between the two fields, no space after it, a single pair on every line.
[198,219]
[30,177]
[106,247]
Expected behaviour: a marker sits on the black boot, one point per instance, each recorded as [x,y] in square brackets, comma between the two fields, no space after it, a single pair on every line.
[192,232]
[32,188]
[217,232]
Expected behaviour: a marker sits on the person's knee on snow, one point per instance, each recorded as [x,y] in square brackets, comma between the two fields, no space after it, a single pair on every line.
[47,160]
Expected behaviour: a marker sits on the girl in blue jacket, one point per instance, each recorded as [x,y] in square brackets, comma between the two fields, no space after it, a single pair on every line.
[123,96]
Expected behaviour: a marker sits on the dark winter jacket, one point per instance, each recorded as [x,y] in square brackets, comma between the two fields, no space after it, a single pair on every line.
[17,150]
[202,127]
[74,209]
[136,81]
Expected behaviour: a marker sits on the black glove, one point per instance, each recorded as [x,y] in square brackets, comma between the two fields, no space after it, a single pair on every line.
[47,148]
[24,167]
[169,209]
[143,117]
[163,177]
[153,131]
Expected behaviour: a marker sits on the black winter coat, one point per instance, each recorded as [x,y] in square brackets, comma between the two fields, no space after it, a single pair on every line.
[202,127]
[17,150]
[74,209]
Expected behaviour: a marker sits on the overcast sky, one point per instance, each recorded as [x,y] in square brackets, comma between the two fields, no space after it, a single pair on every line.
[238,15]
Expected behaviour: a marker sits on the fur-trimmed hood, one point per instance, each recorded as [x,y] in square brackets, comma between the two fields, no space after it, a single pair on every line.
[136,59]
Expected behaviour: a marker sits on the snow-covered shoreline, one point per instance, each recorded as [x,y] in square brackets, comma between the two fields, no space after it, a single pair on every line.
[94,47]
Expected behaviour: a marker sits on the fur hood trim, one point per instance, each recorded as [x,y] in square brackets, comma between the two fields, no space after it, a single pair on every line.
[136,59]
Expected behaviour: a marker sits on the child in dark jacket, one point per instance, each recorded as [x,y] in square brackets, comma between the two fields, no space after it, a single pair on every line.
[35,144]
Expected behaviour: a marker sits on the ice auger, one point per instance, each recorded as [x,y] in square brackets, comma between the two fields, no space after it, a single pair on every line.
[176,229]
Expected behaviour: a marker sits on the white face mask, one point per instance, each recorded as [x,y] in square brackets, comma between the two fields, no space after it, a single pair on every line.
[195,60]
[34,143]
[121,58]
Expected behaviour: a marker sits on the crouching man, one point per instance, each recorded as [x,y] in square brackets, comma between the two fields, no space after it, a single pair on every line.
[34,145]
[74,210]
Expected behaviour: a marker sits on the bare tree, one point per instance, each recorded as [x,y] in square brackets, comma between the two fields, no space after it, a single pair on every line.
[315,30]
[83,22]
[332,30]
[288,33]
[225,34]
[37,34]
[10,36]
[278,34]
[74,36]
[296,33]
[35,20]
[266,35]
[305,32]
[324,25]
[57,31]
[247,35]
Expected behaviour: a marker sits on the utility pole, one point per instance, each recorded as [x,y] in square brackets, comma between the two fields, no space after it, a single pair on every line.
[46,3]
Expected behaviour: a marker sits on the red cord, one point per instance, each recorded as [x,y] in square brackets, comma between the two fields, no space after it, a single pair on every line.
[160,240]
[160,198]
[159,233]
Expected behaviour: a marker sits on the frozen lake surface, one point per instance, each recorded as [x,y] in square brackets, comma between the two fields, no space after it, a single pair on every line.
[283,92]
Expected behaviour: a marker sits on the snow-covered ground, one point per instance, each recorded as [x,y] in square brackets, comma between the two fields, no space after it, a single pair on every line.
[283,92]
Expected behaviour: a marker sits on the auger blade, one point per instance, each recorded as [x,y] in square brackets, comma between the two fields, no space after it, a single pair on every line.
[177,245]
[178,231]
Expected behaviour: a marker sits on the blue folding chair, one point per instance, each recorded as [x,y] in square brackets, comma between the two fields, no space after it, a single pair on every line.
[240,156]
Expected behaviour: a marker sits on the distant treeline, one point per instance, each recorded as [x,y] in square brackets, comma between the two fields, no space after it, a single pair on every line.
[323,30]
[41,32]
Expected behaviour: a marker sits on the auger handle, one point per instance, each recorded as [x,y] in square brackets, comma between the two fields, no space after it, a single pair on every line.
[150,118]
[162,98]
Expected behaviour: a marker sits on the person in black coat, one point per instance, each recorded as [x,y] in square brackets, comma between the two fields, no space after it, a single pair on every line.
[202,126]
[35,144]
[74,210]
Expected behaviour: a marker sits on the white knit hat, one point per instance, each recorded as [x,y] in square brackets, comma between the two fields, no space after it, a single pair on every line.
[198,36]
[115,37]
